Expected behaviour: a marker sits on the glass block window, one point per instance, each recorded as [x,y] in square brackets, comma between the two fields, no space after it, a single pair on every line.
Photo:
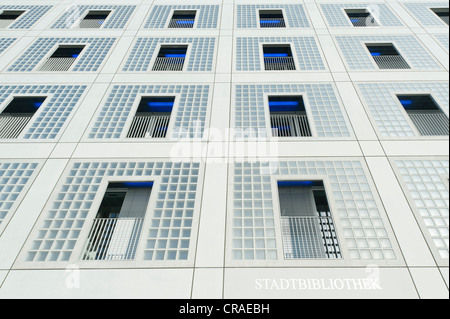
[200,57]
[6,43]
[167,229]
[95,52]
[365,230]
[15,178]
[117,19]
[336,16]
[31,15]
[248,55]
[59,104]
[248,16]
[386,110]
[188,115]
[426,183]
[326,111]
[444,40]
[207,16]
[423,12]
[358,57]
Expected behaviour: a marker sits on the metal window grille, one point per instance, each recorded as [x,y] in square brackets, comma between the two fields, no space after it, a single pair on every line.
[168,64]
[181,23]
[12,125]
[368,21]
[149,126]
[430,123]
[91,23]
[113,239]
[290,125]
[272,23]
[391,62]
[57,64]
[279,63]
[310,237]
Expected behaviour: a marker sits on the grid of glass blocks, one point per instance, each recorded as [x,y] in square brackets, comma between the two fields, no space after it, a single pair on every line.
[358,57]
[386,110]
[294,15]
[48,121]
[14,178]
[207,16]
[189,113]
[337,18]
[326,111]
[444,40]
[248,55]
[5,43]
[31,15]
[425,182]
[422,12]
[92,57]
[364,230]
[199,58]
[116,20]
[166,233]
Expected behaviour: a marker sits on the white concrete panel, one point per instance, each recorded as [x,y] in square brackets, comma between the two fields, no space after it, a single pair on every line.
[429,283]
[208,283]
[312,283]
[445,275]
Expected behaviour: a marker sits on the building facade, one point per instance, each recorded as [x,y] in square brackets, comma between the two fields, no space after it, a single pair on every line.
[224,149]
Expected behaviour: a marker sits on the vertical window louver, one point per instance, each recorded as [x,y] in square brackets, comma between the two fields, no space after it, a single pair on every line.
[62,59]
[271,19]
[94,19]
[288,116]
[117,227]
[386,56]
[361,18]
[278,57]
[7,17]
[182,19]
[308,229]
[16,116]
[170,58]
[426,115]
[152,118]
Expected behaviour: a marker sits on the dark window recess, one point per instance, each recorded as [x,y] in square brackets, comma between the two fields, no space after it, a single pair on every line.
[361,18]
[442,13]
[117,228]
[278,57]
[94,19]
[63,58]
[182,19]
[288,116]
[17,115]
[386,56]
[170,58]
[152,118]
[307,225]
[271,19]
[426,115]
[9,16]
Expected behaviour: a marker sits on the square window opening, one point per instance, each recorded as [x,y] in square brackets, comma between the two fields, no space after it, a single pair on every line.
[62,58]
[94,19]
[278,57]
[183,19]
[386,56]
[288,117]
[170,58]
[361,18]
[442,13]
[271,19]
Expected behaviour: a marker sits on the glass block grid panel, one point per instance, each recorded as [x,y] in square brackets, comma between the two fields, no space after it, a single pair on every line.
[207,16]
[364,230]
[5,43]
[424,181]
[60,102]
[444,40]
[248,57]
[14,178]
[421,11]
[90,60]
[116,20]
[31,15]
[189,113]
[358,57]
[294,15]
[327,115]
[166,233]
[386,110]
[199,58]
[337,18]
